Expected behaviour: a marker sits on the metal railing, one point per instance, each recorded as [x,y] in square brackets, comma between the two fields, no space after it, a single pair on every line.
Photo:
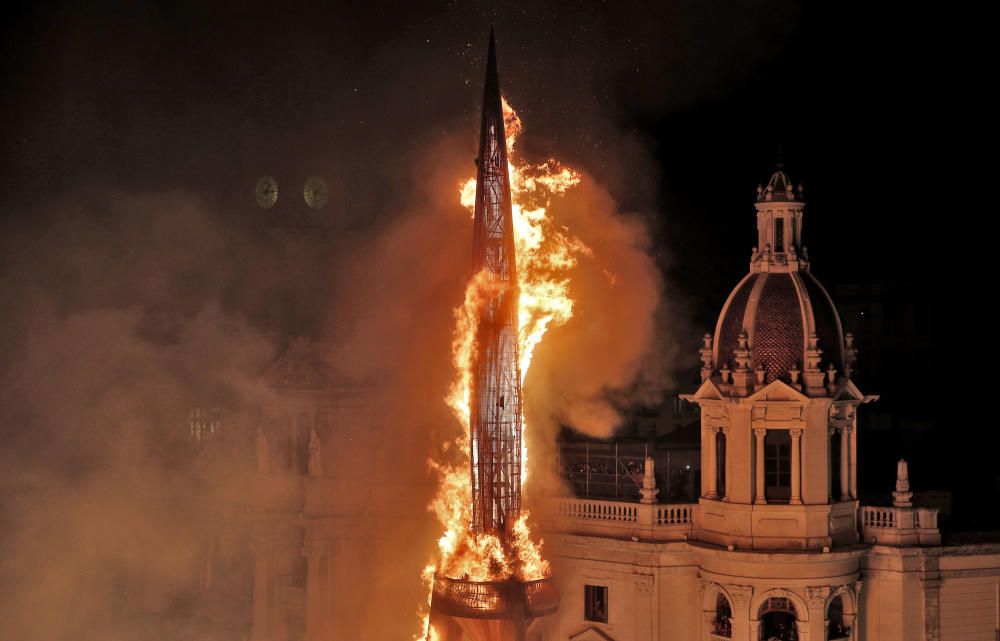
[493,599]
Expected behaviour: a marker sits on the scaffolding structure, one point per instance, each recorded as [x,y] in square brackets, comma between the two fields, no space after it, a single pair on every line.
[493,610]
[496,380]
[606,471]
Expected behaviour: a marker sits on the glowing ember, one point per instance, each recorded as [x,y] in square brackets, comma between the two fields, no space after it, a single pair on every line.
[545,255]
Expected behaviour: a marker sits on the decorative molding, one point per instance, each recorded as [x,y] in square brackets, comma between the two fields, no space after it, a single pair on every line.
[643,583]
[816,597]
[740,593]
[591,634]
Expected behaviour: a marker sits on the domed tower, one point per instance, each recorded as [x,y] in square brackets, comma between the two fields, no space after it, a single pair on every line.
[778,404]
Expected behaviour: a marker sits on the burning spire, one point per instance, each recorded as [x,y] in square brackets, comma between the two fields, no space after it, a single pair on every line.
[490,567]
[495,403]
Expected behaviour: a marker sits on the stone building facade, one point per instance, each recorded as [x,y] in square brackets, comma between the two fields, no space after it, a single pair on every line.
[777,546]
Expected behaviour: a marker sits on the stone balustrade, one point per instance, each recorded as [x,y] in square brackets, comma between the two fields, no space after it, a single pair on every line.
[879,517]
[899,525]
[623,519]
[676,522]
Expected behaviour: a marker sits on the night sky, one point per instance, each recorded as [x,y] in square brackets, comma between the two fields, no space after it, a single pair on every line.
[678,108]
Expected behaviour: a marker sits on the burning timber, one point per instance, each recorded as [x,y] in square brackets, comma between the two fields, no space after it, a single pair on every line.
[493,609]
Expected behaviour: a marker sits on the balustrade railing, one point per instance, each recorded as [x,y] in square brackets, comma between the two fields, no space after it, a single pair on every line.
[899,525]
[665,522]
[675,514]
[599,510]
[879,517]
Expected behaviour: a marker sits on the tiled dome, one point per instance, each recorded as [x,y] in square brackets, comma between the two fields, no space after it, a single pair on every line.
[778,311]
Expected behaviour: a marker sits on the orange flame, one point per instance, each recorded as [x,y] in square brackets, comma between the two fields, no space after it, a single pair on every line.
[545,255]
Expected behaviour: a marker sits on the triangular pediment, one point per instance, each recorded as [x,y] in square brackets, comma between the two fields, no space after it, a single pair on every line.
[708,391]
[591,634]
[297,368]
[848,391]
[778,391]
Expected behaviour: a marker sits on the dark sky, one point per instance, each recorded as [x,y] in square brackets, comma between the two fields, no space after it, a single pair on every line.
[189,95]
[678,107]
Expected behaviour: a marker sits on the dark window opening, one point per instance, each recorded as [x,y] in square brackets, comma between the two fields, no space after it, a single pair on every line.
[777,620]
[835,615]
[595,599]
[722,625]
[777,465]
[779,235]
[720,462]
[205,422]
[835,466]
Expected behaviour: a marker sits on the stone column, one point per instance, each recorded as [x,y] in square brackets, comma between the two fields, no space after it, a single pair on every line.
[261,594]
[711,474]
[744,624]
[845,454]
[796,434]
[315,553]
[852,460]
[816,602]
[726,465]
[759,433]
[333,602]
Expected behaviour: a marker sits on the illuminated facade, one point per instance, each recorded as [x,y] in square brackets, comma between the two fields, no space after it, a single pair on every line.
[777,546]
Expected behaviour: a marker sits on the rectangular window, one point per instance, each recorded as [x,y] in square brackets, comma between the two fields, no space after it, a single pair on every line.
[779,234]
[595,600]
[203,422]
[777,465]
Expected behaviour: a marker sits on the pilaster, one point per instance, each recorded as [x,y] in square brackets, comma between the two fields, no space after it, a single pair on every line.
[796,435]
[759,434]
[315,553]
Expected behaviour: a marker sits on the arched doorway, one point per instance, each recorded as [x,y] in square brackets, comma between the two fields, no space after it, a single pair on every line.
[778,620]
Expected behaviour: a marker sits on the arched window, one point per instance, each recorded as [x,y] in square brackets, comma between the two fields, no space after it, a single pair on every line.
[722,624]
[778,620]
[835,618]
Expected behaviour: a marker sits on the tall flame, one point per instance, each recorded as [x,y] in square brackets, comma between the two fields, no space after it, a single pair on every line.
[545,255]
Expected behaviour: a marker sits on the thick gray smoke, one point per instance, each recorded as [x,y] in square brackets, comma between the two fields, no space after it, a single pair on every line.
[137,284]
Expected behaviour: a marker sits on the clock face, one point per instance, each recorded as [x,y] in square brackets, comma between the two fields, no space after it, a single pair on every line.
[266,192]
[316,193]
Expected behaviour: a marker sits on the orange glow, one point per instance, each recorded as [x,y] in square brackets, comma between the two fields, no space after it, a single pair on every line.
[545,254]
